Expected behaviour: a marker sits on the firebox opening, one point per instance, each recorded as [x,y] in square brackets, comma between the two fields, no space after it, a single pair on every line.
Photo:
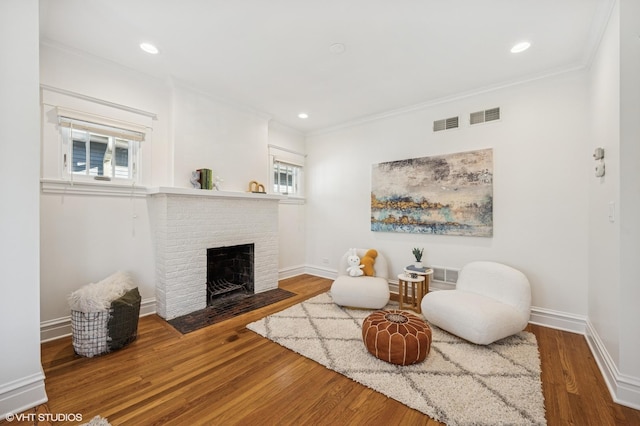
[229,271]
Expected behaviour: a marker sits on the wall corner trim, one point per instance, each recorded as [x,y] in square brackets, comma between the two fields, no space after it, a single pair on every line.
[625,390]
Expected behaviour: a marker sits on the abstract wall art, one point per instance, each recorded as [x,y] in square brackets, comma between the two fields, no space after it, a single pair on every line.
[448,194]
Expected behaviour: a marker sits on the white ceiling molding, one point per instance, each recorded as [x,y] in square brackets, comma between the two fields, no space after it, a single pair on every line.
[437,102]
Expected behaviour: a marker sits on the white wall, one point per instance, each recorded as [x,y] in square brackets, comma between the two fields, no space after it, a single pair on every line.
[21,376]
[209,134]
[86,238]
[541,166]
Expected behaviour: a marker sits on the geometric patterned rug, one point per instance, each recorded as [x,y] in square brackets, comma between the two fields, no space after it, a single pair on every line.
[459,383]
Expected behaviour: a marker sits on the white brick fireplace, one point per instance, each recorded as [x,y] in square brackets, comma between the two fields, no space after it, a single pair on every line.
[187,222]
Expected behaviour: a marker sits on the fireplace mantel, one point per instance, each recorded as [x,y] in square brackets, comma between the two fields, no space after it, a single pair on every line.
[190,192]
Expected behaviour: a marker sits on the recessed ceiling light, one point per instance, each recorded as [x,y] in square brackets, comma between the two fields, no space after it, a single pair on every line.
[303,115]
[520,47]
[149,48]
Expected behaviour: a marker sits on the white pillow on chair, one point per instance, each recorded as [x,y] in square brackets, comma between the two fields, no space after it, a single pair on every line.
[364,291]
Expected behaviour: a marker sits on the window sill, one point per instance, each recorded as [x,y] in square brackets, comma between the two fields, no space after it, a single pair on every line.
[79,187]
[292,200]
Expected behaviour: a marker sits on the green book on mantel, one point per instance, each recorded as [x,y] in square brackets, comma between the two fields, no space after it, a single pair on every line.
[206,178]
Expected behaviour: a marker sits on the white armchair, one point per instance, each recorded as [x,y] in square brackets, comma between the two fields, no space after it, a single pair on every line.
[370,292]
[491,301]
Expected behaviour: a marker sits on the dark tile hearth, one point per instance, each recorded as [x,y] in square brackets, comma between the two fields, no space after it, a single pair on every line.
[226,308]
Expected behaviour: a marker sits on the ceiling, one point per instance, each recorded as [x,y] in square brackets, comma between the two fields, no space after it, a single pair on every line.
[276,57]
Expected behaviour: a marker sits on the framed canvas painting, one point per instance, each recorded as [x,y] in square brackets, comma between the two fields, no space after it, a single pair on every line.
[448,194]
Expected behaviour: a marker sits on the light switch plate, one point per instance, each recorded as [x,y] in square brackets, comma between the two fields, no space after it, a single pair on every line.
[612,211]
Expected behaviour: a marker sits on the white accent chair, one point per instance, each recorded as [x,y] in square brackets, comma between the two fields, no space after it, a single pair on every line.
[364,291]
[491,301]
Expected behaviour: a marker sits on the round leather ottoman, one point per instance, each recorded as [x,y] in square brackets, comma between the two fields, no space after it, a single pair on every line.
[398,337]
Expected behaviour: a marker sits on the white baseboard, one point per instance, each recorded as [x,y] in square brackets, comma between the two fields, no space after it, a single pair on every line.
[61,327]
[558,320]
[291,272]
[22,394]
[624,390]
[55,329]
[319,271]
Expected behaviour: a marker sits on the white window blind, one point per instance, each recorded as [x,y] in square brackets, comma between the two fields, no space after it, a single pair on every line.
[102,125]
[285,155]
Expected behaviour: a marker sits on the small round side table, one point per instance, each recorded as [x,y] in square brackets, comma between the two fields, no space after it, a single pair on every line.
[419,279]
[413,298]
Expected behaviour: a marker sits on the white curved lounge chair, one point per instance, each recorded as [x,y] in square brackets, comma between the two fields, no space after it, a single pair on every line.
[491,301]
[365,291]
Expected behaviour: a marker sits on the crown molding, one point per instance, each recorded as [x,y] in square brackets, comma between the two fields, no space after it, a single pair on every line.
[445,100]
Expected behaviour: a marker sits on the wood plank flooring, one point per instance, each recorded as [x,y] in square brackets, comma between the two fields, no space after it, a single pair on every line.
[225,374]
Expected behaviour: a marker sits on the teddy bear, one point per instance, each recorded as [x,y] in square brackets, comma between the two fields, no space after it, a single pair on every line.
[355,268]
[367,262]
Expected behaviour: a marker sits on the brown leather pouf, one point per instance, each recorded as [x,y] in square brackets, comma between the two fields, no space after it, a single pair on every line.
[398,337]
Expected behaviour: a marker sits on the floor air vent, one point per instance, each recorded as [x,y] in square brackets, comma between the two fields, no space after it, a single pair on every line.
[445,275]
[492,114]
[445,124]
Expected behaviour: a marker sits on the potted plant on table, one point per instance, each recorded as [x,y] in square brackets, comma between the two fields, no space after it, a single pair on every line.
[417,253]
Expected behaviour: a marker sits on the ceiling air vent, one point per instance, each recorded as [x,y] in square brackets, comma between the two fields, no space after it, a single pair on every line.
[445,124]
[492,114]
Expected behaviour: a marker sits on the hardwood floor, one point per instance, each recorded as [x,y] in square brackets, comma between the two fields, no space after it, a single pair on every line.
[225,374]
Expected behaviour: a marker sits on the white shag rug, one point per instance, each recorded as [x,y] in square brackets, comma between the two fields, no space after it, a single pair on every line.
[458,384]
[97,421]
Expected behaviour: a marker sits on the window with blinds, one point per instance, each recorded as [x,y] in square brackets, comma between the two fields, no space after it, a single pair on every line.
[287,171]
[99,155]
[100,151]
[286,178]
